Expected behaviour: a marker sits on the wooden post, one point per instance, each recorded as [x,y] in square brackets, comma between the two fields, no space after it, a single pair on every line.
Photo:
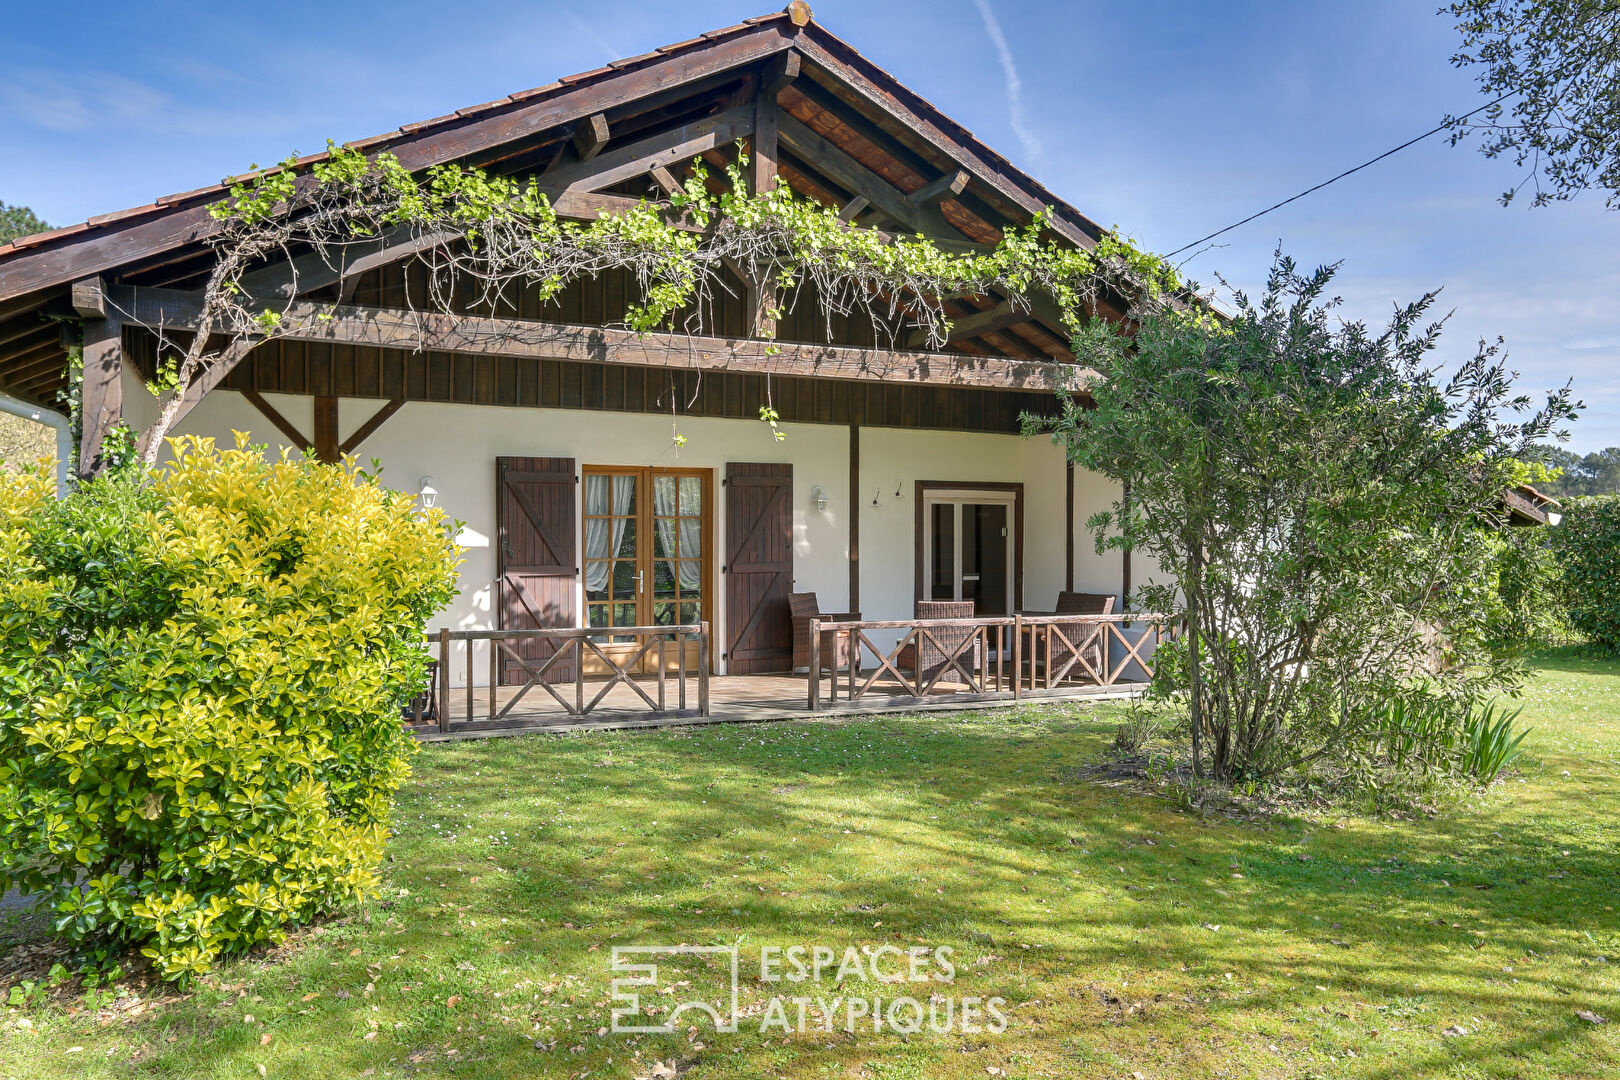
[762,159]
[1125,557]
[102,393]
[1068,526]
[849,656]
[326,431]
[494,673]
[680,658]
[815,665]
[471,689]
[703,669]
[579,675]
[1018,656]
[854,517]
[663,640]
[444,680]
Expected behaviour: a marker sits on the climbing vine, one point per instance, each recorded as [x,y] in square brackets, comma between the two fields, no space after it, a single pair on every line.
[483,237]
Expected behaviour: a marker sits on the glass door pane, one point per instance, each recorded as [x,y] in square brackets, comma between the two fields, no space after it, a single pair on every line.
[678,577]
[612,564]
[984,557]
[942,552]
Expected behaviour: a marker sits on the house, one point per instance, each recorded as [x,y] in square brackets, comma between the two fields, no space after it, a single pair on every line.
[901,477]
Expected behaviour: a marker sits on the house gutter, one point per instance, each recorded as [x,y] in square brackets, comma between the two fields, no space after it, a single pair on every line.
[64,433]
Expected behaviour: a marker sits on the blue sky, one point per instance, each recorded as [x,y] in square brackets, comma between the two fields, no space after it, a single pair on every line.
[1168,120]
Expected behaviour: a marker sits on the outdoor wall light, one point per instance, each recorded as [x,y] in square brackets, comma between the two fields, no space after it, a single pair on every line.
[1554,517]
[818,497]
[899,485]
[876,494]
[428,493]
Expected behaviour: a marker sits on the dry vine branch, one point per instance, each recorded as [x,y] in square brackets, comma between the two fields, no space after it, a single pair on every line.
[480,239]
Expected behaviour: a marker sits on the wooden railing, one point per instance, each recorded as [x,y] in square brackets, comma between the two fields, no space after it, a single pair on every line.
[653,644]
[1014,655]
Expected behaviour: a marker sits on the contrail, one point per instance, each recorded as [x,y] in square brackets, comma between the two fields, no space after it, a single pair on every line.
[1015,86]
[589,31]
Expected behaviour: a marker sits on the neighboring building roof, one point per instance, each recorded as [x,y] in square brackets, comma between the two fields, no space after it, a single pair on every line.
[1527,506]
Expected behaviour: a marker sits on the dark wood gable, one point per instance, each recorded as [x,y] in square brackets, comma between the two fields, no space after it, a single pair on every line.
[808,108]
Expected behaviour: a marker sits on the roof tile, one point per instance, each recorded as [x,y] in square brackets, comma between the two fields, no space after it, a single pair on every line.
[594,73]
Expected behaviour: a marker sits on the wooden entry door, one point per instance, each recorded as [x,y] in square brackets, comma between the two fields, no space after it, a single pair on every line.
[759,567]
[535,564]
[647,554]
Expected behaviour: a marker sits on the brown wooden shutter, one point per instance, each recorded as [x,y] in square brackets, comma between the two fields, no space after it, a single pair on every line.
[537,563]
[759,567]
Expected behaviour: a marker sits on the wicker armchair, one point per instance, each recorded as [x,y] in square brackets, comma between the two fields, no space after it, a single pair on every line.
[835,650]
[935,659]
[1075,603]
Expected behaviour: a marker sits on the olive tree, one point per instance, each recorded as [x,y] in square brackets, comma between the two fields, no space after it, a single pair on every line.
[1551,68]
[1318,500]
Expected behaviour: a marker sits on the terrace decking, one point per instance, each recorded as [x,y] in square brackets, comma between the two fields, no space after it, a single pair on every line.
[570,681]
[733,699]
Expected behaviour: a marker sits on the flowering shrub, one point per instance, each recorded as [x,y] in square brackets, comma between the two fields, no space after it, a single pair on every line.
[202,672]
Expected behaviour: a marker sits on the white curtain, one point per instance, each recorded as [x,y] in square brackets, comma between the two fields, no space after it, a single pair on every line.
[597,548]
[691,531]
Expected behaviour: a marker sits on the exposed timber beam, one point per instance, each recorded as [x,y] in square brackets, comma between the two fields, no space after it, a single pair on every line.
[948,186]
[212,376]
[664,179]
[27,329]
[852,209]
[985,166]
[283,425]
[857,179]
[367,429]
[762,162]
[26,365]
[101,395]
[590,136]
[326,422]
[1000,317]
[398,329]
[89,298]
[780,71]
[666,148]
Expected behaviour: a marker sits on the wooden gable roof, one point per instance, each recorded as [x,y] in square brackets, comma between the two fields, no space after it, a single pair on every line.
[850,135]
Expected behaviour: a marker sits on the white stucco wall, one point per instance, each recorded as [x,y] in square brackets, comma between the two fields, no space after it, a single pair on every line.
[457,445]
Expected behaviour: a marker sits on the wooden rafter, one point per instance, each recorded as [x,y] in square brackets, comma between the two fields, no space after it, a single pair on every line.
[666,148]
[857,179]
[989,321]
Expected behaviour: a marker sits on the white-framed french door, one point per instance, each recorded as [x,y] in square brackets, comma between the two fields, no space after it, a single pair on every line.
[970,545]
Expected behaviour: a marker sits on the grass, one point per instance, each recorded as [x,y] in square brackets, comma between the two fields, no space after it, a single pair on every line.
[1125,937]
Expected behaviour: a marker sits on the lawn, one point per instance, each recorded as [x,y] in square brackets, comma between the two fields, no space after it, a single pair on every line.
[1126,937]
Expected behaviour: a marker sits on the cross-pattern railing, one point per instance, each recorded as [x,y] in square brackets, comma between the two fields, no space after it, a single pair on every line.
[562,675]
[987,657]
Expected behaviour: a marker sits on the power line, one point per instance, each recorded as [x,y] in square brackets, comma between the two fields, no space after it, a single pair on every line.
[1371,161]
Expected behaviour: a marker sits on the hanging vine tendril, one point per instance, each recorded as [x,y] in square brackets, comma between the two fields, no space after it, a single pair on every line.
[481,239]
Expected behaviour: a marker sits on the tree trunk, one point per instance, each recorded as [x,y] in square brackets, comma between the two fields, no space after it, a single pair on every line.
[1195,678]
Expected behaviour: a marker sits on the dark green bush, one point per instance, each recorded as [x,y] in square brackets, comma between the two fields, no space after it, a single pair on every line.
[201,673]
[1587,544]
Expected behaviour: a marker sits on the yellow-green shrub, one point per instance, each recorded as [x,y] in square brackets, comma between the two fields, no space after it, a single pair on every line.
[201,672]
